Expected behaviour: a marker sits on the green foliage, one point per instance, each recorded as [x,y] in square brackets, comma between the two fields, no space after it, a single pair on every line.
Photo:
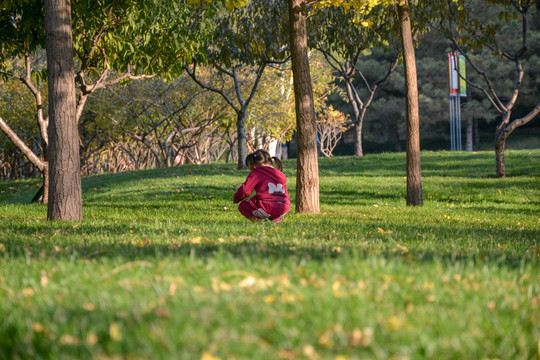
[272,112]
[22,28]
[164,266]
[149,35]
[250,35]
[335,30]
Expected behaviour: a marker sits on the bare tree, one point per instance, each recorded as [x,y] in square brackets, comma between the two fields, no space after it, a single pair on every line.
[503,104]
[331,124]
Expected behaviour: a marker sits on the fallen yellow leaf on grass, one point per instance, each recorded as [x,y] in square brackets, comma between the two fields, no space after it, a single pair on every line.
[91,339]
[309,351]
[28,292]
[44,280]
[114,332]
[38,327]
[67,339]
[208,356]
[196,240]
[394,322]
[404,249]
[382,231]
[336,289]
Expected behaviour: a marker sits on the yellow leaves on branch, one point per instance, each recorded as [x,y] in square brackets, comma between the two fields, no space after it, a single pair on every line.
[360,6]
[229,4]
[235,4]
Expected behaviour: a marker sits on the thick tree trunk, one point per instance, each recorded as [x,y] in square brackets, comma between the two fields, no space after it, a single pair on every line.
[241,132]
[414,177]
[307,180]
[65,194]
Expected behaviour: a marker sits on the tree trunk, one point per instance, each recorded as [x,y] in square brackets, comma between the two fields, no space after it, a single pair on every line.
[241,130]
[503,131]
[395,137]
[65,194]
[476,133]
[358,147]
[414,177]
[469,135]
[307,180]
[499,157]
[45,187]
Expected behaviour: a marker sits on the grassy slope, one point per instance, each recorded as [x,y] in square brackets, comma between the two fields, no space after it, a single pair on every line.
[163,266]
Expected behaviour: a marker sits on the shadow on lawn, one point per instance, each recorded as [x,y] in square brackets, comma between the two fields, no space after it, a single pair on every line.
[491,245]
[265,251]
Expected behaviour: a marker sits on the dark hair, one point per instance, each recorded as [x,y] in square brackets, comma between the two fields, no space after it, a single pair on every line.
[261,157]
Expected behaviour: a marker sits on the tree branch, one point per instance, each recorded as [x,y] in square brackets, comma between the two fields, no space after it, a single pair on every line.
[206,86]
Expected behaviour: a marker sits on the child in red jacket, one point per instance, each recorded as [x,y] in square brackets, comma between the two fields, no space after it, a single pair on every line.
[271,200]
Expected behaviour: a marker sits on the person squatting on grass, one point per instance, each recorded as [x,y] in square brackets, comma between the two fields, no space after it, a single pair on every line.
[271,200]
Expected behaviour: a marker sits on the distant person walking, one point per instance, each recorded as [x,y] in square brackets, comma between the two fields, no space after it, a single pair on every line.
[271,200]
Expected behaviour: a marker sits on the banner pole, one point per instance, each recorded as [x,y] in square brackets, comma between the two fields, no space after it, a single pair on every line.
[459,121]
[451,123]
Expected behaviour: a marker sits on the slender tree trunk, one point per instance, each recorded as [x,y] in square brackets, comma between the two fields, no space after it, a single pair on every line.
[469,135]
[501,134]
[414,177]
[45,174]
[65,194]
[358,147]
[476,133]
[395,137]
[307,180]
[241,130]
[499,158]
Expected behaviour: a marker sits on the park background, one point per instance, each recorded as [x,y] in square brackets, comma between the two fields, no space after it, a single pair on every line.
[170,119]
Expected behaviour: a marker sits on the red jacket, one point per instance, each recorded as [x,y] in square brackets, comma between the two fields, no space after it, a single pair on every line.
[269,184]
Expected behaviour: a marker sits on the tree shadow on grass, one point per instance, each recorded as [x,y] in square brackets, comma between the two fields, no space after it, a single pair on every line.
[498,245]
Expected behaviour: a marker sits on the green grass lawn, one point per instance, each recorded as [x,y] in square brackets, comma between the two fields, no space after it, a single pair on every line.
[164,267]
